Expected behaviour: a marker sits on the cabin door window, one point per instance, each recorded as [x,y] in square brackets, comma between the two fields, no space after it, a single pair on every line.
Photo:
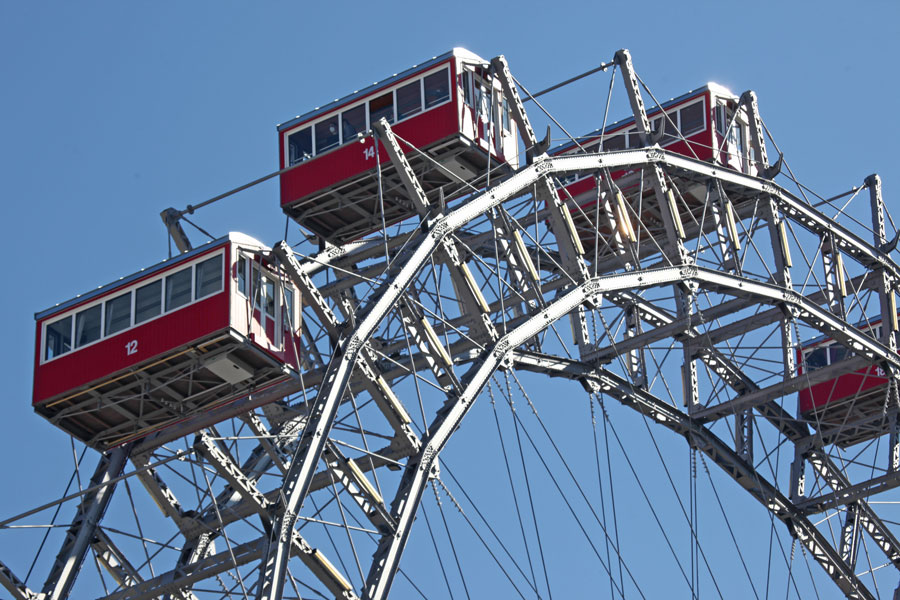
[265,302]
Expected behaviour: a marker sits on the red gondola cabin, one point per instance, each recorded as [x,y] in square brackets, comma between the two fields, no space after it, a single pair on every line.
[184,336]
[706,123]
[449,108]
[847,409]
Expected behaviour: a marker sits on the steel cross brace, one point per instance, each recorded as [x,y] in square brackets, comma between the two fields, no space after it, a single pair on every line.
[246,487]
[16,586]
[418,468]
[114,561]
[865,517]
[237,556]
[568,239]
[373,381]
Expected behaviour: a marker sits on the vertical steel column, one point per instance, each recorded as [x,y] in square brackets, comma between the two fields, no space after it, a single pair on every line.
[568,241]
[886,287]
[757,139]
[850,536]
[835,280]
[782,274]
[81,533]
[671,218]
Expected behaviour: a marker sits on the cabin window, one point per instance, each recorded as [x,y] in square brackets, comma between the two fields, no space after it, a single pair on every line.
[504,112]
[616,142]
[691,118]
[409,99]
[818,358]
[669,122]
[288,308]
[178,289]
[118,314]
[634,139]
[58,338]
[256,278]
[437,88]
[722,119]
[465,80]
[300,145]
[242,275]
[208,276]
[353,122]
[269,290]
[147,302]
[87,326]
[382,106]
[327,136]
[836,353]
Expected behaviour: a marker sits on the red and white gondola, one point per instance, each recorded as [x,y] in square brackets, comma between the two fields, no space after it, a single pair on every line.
[449,108]
[187,335]
[847,409]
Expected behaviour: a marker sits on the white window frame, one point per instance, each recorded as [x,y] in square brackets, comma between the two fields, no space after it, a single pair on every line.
[365,102]
[131,289]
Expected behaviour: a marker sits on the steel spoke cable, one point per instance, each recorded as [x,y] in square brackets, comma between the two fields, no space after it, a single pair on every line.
[346,527]
[571,508]
[549,116]
[58,505]
[684,512]
[137,523]
[515,422]
[484,542]
[224,534]
[569,471]
[515,496]
[725,518]
[338,553]
[440,505]
[602,495]
[436,550]
[647,500]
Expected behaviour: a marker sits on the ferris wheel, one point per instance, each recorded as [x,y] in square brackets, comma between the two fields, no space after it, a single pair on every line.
[646,360]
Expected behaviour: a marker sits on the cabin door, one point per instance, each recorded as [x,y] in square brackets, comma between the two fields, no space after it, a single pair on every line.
[265,308]
[477,108]
[731,137]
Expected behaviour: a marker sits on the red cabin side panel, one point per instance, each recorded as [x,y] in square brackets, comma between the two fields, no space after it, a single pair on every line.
[354,159]
[108,356]
[698,145]
[840,388]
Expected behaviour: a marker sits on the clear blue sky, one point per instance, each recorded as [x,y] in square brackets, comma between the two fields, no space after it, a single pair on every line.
[113,111]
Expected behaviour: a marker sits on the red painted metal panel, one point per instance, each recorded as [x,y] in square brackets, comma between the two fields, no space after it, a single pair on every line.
[842,387]
[698,145]
[349,160]
[108,356]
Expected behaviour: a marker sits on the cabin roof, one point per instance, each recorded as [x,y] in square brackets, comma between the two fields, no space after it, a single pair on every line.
[717,89]
[320,110]
[234,236]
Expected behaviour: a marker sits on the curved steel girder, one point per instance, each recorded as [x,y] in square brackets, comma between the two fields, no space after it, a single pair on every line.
[719,452]
[296,484]
[418,468]
[337,375]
